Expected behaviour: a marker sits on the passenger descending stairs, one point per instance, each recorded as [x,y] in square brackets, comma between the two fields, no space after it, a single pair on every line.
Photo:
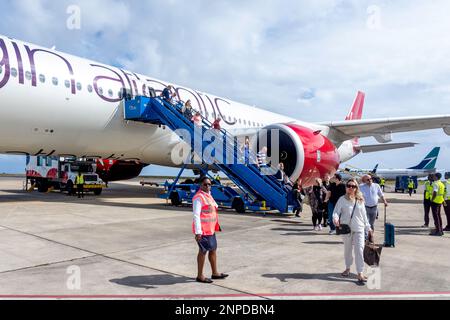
[247,177]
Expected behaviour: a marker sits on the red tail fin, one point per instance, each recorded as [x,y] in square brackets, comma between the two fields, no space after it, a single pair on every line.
[357,108]
[356,113]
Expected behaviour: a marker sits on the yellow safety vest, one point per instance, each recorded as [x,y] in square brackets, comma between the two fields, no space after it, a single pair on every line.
[382,182]
[428,190]
[79,180]
[411,185]
[440,194]
[447,190]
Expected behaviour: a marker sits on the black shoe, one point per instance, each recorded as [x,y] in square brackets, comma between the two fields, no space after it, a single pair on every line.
[206,280]
[221,276]
[447,228]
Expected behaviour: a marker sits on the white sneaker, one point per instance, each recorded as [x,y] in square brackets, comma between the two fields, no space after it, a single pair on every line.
[320,227]
[332,232]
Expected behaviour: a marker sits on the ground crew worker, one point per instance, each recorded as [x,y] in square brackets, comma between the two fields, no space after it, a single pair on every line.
[437,200]
[79,181]
[410,187]
[217,178]
[204,226]
[382,183]
[427,200]
[447,200]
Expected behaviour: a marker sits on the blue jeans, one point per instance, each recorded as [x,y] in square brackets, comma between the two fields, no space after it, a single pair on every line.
[330,215]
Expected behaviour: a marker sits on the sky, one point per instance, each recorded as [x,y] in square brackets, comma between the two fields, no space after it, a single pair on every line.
[304,59]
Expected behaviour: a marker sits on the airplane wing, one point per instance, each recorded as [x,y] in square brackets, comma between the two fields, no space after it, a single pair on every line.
[381,129]
[383,147]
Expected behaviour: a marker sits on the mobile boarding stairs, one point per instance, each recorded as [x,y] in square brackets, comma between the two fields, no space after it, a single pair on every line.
[263,188]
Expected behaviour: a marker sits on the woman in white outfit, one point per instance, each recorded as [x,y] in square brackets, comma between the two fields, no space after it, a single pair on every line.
[345,212]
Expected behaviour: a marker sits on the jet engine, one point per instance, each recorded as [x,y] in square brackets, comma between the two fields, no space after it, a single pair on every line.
[305,153]
[116,170]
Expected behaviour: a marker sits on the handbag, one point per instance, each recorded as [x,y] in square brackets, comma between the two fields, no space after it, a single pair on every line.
[345,228]
[372,253]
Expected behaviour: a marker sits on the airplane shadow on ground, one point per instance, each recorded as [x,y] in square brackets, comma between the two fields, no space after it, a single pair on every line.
[406,201]
[152,281]
[103,200]
[297,232]
[323,242]
[335,277]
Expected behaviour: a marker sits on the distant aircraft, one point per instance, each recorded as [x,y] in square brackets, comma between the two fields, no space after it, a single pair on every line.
[423,169]
[56,104]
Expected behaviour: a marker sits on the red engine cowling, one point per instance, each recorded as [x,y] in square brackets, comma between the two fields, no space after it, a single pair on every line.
[304,153]
[117,170]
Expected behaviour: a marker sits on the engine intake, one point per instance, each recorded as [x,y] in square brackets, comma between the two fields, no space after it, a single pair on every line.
[305,153]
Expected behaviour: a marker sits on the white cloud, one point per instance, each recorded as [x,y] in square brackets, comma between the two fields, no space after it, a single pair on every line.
[267,53]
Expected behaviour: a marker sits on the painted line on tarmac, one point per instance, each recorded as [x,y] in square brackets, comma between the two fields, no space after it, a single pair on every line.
[367,295]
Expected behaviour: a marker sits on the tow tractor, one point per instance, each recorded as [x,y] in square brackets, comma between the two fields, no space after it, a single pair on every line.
[48,173]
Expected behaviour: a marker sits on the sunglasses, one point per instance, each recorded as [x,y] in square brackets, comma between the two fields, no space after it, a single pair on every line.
[351,186]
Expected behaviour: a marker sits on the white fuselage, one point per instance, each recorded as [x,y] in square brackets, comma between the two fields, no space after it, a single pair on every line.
[394,173]
[59,104]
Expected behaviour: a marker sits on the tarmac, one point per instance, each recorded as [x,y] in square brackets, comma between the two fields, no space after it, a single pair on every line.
[128,244]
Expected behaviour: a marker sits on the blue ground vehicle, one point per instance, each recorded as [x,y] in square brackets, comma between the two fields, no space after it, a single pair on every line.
[401,183]
[225,196]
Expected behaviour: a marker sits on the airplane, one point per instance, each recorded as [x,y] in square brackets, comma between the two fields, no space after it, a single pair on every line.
[423,169]
[52,103]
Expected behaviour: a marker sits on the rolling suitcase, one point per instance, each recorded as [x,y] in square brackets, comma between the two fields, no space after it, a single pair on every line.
[389,232]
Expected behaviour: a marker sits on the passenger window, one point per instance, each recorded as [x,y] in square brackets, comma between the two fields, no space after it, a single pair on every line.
[89,87]
[119,94]
[110,93]
[67,83]
[28,75]
[1,69]
[42,78]
[79,87]
[100,90]
[14,72]
[55,81]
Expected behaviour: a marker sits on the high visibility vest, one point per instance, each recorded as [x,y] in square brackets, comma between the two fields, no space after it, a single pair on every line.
[428,190]
[447,190]
[208,216]
[440,194]
[382,182]
[79,180]
[411,185]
